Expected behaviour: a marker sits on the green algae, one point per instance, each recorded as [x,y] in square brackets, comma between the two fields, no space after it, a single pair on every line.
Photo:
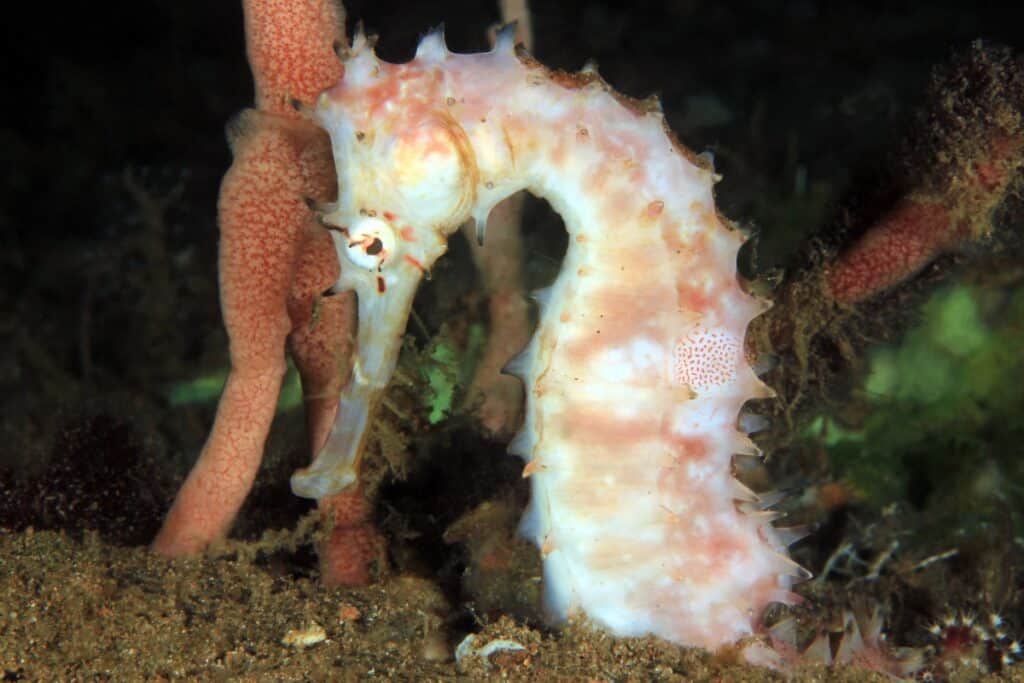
[941,407]
[445,366]
[207,389]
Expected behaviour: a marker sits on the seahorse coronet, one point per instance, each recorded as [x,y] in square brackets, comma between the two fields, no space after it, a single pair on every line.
[636,374]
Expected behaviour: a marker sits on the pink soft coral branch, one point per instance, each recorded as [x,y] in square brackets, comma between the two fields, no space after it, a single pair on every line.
[925,226]
[274,263]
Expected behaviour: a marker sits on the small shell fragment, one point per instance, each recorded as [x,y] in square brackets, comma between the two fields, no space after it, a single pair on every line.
[302,638]
[466,649]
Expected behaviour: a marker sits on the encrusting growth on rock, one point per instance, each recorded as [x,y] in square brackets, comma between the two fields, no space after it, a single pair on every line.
[963,164]
[957,169]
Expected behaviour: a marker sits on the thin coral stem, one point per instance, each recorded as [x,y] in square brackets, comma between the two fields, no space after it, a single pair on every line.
[924,226]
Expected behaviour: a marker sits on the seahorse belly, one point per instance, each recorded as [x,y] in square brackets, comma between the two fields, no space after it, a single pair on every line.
[636,379]
[636,374]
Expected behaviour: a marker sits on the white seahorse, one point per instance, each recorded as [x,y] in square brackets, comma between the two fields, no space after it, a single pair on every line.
[636,374]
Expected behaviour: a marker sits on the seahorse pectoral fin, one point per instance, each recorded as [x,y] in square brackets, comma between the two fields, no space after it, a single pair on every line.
[384,305]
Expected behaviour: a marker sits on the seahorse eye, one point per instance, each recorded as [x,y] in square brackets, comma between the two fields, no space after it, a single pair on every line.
[369,243]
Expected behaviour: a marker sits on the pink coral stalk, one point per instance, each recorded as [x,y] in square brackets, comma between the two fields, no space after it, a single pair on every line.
[274,263]
[924,226]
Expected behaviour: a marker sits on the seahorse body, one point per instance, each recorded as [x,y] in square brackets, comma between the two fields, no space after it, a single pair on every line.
[636,374]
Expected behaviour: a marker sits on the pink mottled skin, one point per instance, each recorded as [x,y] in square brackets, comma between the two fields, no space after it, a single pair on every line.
[923,226]
[275,261]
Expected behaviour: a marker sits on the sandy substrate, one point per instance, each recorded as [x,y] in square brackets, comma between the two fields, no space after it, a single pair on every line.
[90,611]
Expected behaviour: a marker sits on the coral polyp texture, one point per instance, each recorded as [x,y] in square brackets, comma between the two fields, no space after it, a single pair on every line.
[967,154]
[636,374]
[275,262]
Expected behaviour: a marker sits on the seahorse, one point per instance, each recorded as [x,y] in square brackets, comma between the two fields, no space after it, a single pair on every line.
[636,374]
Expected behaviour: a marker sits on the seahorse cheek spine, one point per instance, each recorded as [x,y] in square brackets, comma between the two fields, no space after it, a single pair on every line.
[636,374]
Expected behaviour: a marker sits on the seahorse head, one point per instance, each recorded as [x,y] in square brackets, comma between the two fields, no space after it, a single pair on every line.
[401,158]
[407,179]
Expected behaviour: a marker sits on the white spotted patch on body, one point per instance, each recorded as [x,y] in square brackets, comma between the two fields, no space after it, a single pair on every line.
[706,360]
